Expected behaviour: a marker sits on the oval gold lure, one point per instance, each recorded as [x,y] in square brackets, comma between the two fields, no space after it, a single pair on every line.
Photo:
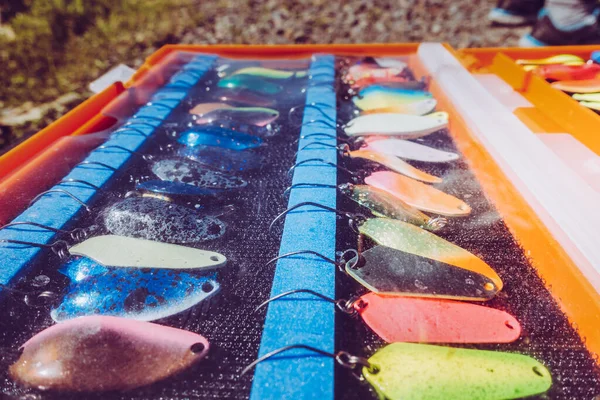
[384,204]
[411,239]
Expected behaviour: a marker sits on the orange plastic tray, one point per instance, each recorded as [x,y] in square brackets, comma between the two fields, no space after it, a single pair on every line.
[579,301]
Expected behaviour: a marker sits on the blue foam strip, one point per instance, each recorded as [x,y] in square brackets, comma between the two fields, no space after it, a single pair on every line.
[56,209]
[302,319]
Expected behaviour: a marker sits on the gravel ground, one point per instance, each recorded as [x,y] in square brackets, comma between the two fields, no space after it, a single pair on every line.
[462,23]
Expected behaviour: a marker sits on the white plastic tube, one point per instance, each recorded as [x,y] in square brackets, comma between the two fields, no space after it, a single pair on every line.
[565,203]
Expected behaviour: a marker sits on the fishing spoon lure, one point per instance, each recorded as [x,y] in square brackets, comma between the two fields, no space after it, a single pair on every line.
[421,107]
[417,194]
[128,252]
[402,126]
[252,83]
[215,136]
[409,150]
[270,73]
[378,96]
[143,294]
[421,320]
[564,59]
[157,220]
[195,174]
[401,371]
[92,354]
[383,204]
[410,261]
[391,162]
[568,72]
[258,116]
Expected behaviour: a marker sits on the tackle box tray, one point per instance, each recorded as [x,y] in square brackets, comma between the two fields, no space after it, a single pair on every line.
[534,217]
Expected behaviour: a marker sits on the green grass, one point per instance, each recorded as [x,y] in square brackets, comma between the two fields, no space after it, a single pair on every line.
[59,46]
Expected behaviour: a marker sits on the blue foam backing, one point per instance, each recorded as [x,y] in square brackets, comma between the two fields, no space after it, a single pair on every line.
[300,318]
[57,209]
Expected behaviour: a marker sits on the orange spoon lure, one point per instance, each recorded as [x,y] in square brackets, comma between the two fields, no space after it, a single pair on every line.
[568,72]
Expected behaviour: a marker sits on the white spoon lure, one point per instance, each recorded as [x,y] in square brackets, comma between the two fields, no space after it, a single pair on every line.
[410,150]
[122,251]
[398,125]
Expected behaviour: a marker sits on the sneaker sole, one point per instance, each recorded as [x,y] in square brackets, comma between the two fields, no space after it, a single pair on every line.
[503,17]
[530,41]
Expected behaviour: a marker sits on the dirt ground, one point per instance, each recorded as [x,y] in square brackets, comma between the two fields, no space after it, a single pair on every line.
[461,23]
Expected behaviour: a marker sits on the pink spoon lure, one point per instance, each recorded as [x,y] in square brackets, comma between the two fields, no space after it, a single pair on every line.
[101,353]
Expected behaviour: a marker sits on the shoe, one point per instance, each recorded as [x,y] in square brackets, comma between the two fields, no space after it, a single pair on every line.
[545,33]
[515,12]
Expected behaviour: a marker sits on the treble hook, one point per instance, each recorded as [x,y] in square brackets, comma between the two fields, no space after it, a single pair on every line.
[343,358]
[322,161]
[345,306]
[353,218]
[60,191]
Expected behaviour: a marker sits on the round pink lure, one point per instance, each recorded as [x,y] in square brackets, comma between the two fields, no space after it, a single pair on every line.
[105,353]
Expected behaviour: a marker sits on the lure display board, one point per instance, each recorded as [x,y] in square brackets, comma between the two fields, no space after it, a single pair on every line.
[308,225]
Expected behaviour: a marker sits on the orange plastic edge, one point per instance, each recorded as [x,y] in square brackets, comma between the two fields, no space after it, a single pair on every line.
[19,188]
[553,104]
[562,277]
[84,118]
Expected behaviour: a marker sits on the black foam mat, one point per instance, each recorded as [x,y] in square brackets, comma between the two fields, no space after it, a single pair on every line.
[229,322]
[547,334]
